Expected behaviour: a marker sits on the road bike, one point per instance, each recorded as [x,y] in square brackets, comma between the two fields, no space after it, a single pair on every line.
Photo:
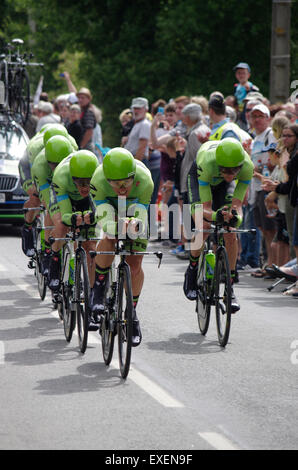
[214,286]
[74,290]
[118,315]
[14,80]
[35,262]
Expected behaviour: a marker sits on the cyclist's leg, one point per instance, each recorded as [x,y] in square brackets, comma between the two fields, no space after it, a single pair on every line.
[137,280]
[190,277]
[100,275]
[59,231]
[27,236]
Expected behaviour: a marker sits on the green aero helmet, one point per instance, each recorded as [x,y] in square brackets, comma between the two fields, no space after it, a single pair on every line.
[58,129]
[47,126]
[57,148]
[119,164]
[230,153]
[82,164]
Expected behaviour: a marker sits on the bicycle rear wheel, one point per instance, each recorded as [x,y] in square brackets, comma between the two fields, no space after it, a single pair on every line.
[124,319]
[108,321]
[203,306]
[222,295]
[82,295]
[41,280]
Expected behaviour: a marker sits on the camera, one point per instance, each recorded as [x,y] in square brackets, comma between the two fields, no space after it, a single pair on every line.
[161,125]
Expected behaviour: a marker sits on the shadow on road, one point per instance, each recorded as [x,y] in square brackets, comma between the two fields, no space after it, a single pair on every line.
[187,343]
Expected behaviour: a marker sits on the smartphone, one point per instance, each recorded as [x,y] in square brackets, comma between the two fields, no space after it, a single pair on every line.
[161,110]
[61,74]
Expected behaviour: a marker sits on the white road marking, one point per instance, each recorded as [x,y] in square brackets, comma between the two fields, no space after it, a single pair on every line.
[217,441]
[2,353]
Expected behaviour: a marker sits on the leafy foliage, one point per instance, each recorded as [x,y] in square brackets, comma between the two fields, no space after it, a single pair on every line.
[157,49]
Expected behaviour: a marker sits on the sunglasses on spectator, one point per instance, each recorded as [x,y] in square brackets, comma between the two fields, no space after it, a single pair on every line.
[126,183]
[230,171]
[82,181]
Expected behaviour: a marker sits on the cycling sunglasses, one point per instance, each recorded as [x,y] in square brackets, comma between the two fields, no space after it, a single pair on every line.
[230,171]
[81,181]
[125,183]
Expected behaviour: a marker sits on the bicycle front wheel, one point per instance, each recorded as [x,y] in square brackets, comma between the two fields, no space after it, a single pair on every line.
[82,295]
[108,322]
[124,319]
[203,306]
[41,280]
[222,296]
[67,312]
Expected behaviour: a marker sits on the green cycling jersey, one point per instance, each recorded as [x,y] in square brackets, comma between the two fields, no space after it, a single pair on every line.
[107,203]
[209,172]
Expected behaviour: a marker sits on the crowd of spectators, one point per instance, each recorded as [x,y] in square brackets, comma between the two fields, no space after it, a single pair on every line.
[166,137]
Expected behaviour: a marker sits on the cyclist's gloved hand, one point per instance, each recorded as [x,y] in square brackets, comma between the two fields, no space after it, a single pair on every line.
[89,217]
[76,219]
[236,220]
[219,219]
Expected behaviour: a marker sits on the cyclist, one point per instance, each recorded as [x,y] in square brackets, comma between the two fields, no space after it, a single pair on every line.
[122,186]
[219,164]
[57,148]
[34,147]
[70,205]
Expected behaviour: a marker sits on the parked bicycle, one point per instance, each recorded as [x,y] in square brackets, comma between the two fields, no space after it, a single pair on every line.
[14,80]
[118,313]
[214,283]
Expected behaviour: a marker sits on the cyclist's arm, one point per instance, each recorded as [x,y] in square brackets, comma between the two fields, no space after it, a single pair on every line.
[60,202]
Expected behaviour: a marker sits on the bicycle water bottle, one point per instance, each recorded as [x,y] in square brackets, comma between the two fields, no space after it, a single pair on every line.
[266,172]
[210,264]
[71,271]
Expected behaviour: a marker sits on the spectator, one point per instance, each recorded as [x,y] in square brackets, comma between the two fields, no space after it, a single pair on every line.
[87,118]
[203,102]
[192,118]
[296,109]
[260,117]
[46,115]
[221,125]
[62,107]
[74,127]
[138,138]
[277,209]
[290,140]
[256,98]
[127,123]
[244,86]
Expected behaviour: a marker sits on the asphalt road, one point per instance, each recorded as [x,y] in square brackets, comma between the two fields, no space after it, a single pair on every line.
[183,392]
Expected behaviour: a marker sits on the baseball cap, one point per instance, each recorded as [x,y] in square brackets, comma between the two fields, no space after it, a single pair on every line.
[254,95]
[242,65]
[139,103]
[72,98]
[270,148]
[262,108]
